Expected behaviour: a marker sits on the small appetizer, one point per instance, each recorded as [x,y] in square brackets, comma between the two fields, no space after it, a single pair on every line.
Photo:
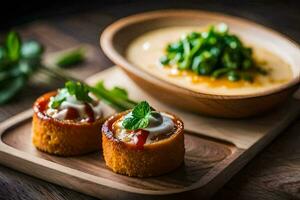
[67,122]
[143,142]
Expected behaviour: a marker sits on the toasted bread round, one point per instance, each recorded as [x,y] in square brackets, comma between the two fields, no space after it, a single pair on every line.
[63,137]
[153,159]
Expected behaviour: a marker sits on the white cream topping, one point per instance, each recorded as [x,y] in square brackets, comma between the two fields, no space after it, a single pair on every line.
[164,125]
[72,102]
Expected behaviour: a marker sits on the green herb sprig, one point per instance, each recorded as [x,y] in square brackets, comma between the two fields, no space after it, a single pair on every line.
[215,53]
[18,61]
[116,97]
[79,90]
[139,117]
[71,58]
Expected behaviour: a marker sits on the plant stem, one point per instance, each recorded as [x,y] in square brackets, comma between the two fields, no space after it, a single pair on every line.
[116,103]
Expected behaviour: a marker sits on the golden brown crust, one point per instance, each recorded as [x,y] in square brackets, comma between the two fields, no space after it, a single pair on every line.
[64,138]
[154,159]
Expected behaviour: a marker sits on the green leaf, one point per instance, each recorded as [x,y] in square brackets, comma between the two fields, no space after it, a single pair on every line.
[233,76]
[57,100]
[18,61]
[79,90]
[3,55]
[138,118]
[175,47]
[220,72]
[31,49]
[115,91]
[116,97]
[119,93]
[9,88]
[13,72]
[25,67]
[13,46]
[71,58]
[141,110]
[247,77]
[186,46]
[164,60]
[131,123]
[247,63]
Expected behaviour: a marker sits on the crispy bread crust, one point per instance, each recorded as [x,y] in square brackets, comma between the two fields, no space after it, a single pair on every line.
[154,159]
[64,138]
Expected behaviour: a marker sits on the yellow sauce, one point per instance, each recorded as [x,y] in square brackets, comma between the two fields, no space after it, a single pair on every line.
[146,50]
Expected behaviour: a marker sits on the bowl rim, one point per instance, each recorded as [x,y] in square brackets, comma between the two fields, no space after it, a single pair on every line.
[106,43]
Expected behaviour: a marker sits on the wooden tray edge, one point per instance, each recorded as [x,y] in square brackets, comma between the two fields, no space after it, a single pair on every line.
[33,165]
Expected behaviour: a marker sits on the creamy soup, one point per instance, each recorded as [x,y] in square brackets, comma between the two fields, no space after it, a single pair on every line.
[146,50]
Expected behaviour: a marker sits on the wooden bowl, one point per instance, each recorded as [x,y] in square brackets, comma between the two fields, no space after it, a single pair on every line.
[117,37]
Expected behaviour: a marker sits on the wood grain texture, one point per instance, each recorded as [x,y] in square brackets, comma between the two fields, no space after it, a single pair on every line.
[274,174]
[205,159]
[209,162]
[279,163]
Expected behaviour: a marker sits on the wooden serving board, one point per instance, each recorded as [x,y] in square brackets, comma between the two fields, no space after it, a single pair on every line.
[215,150]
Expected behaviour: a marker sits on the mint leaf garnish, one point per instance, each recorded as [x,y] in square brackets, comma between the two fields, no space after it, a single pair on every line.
[79,90]
[141,110]
[139,117]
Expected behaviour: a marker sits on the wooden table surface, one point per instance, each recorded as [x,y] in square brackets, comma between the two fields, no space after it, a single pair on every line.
[273,174]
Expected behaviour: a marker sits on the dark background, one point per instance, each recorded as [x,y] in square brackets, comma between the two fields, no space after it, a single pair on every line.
[282,15]
[18,12]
